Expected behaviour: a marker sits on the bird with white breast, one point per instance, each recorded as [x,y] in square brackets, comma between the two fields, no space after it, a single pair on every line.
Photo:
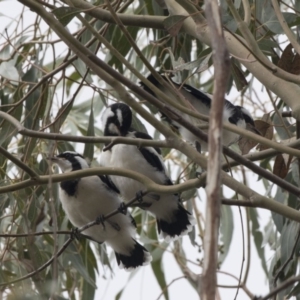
[201,102]
[173,220]
[86,199]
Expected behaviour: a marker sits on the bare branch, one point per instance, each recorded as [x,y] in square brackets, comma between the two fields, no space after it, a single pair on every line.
[80,139]
[221,66]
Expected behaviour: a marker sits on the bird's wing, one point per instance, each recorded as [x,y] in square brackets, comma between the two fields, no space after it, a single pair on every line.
[109,183]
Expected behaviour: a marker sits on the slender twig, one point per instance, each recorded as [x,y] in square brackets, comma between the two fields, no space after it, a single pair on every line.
[168,285]
[17,235]
[55,229]
[79,139]
[281,287]
[241,285]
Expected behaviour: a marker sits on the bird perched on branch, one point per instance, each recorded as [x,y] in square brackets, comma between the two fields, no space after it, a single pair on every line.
[88,198]
[201,102]
[173,220]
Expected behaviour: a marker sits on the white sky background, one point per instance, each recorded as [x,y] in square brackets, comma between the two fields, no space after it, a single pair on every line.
[144,286]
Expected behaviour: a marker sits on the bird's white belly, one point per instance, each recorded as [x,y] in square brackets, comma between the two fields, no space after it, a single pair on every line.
[130,158]
[92,200]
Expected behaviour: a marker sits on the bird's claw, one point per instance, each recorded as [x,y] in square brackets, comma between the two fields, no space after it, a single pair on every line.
[75,234]
[122,208]
[139,196]
[100,220]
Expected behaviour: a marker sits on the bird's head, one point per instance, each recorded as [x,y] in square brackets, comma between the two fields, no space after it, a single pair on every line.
[116,120]
[70,161]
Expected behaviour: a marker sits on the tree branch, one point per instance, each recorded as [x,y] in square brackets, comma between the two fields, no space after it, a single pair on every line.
[221,66]
[81,139]
[18,163]
[283,286]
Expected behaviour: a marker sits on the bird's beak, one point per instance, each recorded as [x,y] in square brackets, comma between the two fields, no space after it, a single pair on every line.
[253,129]
[53,158]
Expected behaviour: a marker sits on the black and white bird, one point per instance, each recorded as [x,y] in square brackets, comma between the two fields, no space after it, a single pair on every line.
[201,102]
[173,220]
[85,199]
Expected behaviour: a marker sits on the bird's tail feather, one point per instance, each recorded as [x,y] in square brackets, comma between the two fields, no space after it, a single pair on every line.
[139,256]
[181,224]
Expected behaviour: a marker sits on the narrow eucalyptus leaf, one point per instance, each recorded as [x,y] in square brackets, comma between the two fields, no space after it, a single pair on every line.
[173,24]
[89,147]
[258,238]
[226,230]
[65,14]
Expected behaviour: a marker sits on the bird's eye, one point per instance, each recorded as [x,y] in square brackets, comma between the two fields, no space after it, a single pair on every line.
[66,155]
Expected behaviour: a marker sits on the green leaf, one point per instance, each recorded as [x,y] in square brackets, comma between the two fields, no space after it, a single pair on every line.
[295,172]
[283,127]
[227,19]
[120,42]
[287,241]
[159,273]
[62,115]
[31,104]
[281,197]
[137,124]
[88,291]
[71,80]
[258,238]
[173,24]
[9,71]
[238,75]
[267,46]
[226,230]
[82,69]
[103,256]
[295,291]
[65,14]
[89,147]
[156,264]
[270,19]
[78,264]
